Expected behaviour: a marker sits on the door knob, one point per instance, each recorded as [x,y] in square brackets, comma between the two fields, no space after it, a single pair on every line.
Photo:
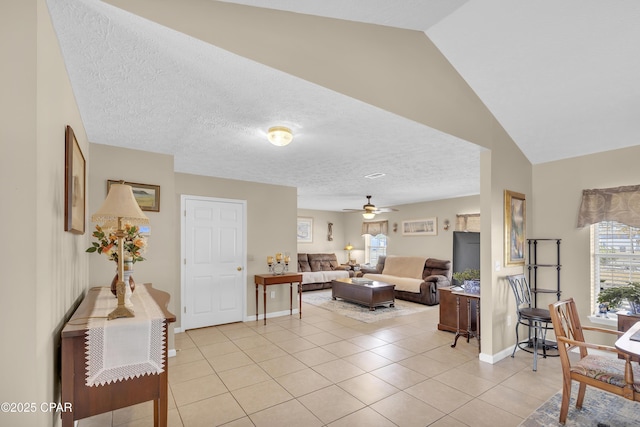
[239,268]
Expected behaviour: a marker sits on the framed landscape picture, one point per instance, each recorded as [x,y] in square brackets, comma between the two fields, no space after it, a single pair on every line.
[147,196]
[515,211]
[74,184]
[420,227]
[305,230]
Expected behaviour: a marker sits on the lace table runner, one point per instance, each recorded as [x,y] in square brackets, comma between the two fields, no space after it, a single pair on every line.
[124,348]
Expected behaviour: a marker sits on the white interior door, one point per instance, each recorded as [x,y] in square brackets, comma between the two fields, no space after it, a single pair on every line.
[214,277]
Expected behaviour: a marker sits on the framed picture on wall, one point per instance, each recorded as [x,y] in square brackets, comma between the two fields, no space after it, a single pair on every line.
[305,230]
[74,184]
[420,227]
[147,196]
[515,211]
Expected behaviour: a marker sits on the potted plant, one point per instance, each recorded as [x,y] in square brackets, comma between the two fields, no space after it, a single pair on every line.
[469,279]
[613,297]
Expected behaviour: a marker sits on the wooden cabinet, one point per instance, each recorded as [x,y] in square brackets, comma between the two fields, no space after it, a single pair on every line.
[87,401]
[448,313]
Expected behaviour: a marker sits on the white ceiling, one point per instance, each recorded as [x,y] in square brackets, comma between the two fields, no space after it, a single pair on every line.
[561,77]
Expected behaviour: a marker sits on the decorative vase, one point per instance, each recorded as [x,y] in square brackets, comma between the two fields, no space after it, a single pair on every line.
[132,283]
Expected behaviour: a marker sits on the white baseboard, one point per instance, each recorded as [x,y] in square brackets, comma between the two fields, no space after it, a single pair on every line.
[495,358]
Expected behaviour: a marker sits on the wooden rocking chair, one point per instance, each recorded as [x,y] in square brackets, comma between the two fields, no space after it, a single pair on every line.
[606,373]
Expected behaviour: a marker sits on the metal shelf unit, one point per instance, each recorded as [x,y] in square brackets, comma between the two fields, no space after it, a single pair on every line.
[533,266]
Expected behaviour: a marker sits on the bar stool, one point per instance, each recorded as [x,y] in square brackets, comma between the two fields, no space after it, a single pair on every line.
[537,320]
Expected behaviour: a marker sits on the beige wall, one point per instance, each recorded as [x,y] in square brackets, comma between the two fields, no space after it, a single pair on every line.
[321,243]
[271,219]
[44,272]
[502,168]
[557,193]
[438,246]
[269,225]
[162,257]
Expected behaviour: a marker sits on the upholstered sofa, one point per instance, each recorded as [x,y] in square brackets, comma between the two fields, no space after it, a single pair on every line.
[318,270]
[417,279]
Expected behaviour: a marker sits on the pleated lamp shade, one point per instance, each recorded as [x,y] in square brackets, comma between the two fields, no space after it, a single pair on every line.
[120,204]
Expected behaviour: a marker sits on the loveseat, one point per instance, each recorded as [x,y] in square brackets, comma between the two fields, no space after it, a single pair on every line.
[318,270]
[416,279]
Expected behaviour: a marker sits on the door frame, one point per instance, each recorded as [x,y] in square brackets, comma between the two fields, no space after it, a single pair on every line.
[183,251]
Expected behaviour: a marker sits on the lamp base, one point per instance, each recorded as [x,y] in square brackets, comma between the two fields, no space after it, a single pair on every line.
[120,312]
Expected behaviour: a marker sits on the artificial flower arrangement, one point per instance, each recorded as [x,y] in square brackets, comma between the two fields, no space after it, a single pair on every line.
[135,244]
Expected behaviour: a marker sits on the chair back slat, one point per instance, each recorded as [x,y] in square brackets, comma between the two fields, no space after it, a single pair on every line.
[566,323]
[521,290]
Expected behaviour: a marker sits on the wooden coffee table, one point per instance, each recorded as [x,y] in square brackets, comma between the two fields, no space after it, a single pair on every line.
[370,293]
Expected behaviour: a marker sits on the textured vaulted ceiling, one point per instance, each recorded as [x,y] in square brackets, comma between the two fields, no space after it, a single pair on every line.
[559,77]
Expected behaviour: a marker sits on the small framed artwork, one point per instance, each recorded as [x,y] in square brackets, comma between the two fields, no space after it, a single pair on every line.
[147,196]
[515,211]
[420,227]
[74,184]
[305,230]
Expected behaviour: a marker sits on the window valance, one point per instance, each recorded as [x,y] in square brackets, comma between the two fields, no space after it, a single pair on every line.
[468,222]
[376,227]
[620,204]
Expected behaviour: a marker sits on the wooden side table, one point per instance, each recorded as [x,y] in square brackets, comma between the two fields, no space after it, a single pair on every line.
[273,279]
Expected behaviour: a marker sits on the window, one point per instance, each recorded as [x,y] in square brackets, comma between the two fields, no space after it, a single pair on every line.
[616,256]
[375,246]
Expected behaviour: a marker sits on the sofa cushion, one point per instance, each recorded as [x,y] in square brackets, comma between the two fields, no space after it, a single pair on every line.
[437,267]
[323,262]
[407,284]
[303,263]
[323,276]
[404,266]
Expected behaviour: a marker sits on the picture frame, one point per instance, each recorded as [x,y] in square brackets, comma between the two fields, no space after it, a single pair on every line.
[74,184]
[305,230]
[420,227]
[515,215]
[147,195]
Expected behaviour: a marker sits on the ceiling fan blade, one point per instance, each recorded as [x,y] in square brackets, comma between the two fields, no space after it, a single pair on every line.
[381,210]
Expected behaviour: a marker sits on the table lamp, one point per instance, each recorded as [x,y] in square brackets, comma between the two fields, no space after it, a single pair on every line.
[348,248]
[120,206]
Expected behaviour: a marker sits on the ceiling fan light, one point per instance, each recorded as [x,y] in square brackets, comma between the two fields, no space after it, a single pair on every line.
[368,215]
[279,135]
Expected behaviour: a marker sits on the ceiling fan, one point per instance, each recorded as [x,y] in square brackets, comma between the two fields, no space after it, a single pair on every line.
[369,210]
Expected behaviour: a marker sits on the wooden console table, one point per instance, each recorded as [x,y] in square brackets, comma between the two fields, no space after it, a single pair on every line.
[88,401]
[448,314]
[273,279]
[469,332]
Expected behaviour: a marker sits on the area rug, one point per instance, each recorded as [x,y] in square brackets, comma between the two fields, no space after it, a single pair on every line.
[599,409]
[323,299]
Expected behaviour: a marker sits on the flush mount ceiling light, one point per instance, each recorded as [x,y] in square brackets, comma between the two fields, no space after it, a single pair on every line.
[279,135]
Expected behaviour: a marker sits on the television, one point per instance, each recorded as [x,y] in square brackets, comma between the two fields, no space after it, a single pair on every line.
[466,251]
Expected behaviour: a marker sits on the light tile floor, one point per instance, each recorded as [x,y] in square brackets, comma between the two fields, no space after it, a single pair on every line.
[329,370]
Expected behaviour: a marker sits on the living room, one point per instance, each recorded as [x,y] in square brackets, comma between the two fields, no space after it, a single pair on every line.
[56,273]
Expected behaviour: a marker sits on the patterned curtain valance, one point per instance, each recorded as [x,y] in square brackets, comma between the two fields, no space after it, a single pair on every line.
[620,204]
[468,222]
[375,228]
